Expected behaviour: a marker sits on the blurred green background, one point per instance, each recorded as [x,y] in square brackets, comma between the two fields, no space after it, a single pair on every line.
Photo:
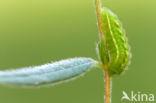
[34,32]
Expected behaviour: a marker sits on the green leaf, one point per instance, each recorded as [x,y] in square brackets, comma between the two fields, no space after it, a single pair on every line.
[52,73]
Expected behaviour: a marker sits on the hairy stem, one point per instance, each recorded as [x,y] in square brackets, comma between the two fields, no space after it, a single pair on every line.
[107,87]
[98,10]
[107,76]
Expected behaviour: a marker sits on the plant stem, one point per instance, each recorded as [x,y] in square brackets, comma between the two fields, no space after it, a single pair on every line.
[107,87]
[98,10]
[107,76]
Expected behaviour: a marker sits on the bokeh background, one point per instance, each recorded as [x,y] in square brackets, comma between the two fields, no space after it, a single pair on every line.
[34,32]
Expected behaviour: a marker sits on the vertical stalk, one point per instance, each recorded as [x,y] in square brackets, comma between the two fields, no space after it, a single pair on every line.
[107,87]
[98,10]
[107,76]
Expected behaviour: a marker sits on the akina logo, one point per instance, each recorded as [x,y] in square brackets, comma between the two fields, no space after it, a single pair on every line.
[137,97]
